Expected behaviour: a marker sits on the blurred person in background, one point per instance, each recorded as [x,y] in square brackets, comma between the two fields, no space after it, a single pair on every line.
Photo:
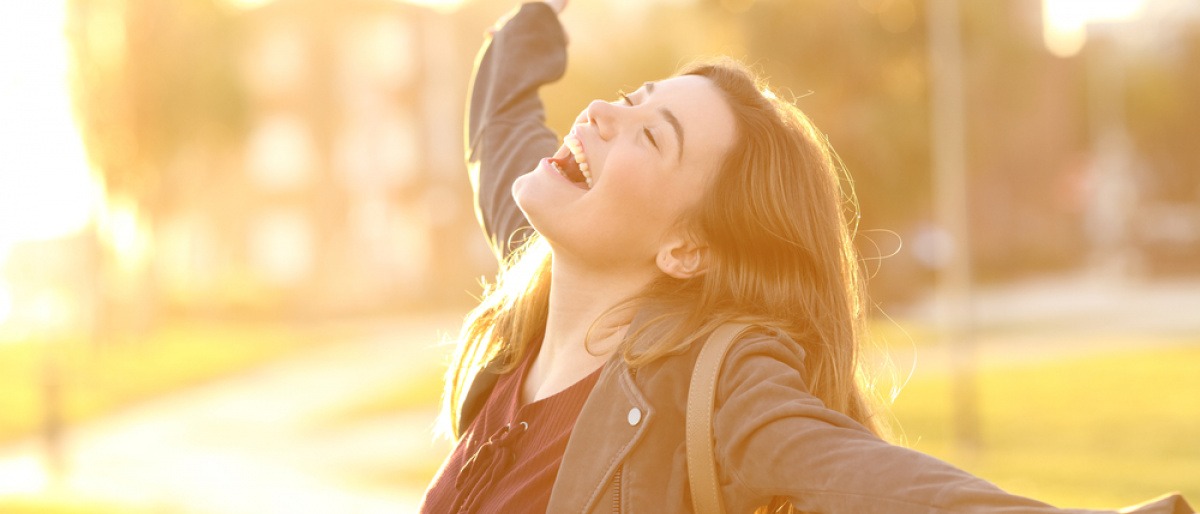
[692,202]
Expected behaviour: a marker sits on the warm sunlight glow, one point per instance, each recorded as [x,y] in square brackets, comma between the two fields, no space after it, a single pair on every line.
[23,475]
[123,231]
[5,303]
[46,187]
[442,6]
[248,4]
[1065,22]
[51,308]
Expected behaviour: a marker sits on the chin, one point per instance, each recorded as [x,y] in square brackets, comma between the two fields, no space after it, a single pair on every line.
[524,192]
[538,197]
[533,200]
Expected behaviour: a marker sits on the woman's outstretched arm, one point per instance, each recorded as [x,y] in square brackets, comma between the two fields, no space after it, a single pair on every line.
[506,122]
[775,438]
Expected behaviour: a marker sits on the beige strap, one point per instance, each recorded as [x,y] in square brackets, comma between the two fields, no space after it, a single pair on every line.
[702,466]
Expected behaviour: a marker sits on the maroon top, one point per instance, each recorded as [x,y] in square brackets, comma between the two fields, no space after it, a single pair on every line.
[508,458]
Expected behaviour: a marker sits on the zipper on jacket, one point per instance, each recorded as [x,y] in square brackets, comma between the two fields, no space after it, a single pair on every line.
[616,505]
[616,501]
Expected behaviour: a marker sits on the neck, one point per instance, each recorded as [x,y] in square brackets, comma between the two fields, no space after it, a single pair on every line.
[578,298]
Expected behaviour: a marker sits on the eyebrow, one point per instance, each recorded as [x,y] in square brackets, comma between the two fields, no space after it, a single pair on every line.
[670,119]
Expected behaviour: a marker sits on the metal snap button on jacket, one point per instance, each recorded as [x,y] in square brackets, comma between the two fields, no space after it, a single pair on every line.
[635,416]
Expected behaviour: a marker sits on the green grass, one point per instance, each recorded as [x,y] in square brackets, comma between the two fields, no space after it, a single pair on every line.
[96,379]
[884,332]
[1095,432]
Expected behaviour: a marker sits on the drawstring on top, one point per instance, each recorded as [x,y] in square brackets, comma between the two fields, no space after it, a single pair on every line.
[490,460]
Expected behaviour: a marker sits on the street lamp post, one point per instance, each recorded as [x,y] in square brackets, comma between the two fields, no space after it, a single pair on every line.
[950,196]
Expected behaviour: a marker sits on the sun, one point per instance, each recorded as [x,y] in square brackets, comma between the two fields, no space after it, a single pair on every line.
[1065,21]
[47,188]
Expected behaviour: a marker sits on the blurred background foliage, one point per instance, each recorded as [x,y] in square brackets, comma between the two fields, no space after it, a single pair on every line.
[152,78]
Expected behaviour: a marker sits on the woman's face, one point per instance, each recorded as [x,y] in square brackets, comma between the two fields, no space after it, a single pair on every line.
[649,155]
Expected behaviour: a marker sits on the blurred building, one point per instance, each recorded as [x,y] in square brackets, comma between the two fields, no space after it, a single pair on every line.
[347,181]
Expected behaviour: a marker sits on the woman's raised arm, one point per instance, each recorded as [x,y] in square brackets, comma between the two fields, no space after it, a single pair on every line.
[506,122]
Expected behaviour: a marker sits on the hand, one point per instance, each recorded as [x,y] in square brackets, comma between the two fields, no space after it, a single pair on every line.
[556,5]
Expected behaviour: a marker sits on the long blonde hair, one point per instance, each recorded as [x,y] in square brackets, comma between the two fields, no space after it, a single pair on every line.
[780,255]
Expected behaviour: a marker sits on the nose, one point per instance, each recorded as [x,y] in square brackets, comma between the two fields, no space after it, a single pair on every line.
[603,115]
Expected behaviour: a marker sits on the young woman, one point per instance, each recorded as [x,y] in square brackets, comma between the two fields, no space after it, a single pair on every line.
[688,203]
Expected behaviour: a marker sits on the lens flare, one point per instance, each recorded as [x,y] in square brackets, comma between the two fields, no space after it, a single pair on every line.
[47,189]
[6,303]
[1065,21]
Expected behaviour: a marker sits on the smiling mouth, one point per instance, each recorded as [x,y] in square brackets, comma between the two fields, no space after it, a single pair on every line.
[571,162]
[568,168]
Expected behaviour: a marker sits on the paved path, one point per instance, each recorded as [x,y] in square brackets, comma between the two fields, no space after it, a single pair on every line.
[247,444]
[1059,317]
[1078,304]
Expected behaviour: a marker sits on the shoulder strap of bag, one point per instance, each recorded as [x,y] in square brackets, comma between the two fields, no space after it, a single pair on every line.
[701,464]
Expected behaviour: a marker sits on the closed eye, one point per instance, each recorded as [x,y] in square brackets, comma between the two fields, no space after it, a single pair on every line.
[625,98]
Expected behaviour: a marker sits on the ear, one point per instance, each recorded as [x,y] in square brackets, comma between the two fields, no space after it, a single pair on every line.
[682,258]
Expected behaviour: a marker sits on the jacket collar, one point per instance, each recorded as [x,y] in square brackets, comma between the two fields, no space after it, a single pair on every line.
[594,454]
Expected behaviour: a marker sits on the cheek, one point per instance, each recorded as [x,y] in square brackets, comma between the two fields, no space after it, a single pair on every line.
[651,205]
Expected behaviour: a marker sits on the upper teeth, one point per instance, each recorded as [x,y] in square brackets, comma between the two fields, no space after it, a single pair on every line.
[576,147]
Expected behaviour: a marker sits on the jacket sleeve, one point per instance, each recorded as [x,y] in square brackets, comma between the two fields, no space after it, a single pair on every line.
[775,438]
[506,130]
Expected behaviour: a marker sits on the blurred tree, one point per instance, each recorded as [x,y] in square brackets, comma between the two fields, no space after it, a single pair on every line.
[1026,132]
[1163,114]
[859,70]
[149,77]
[864,66]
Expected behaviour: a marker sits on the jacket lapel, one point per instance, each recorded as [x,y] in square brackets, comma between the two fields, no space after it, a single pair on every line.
[602,437]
